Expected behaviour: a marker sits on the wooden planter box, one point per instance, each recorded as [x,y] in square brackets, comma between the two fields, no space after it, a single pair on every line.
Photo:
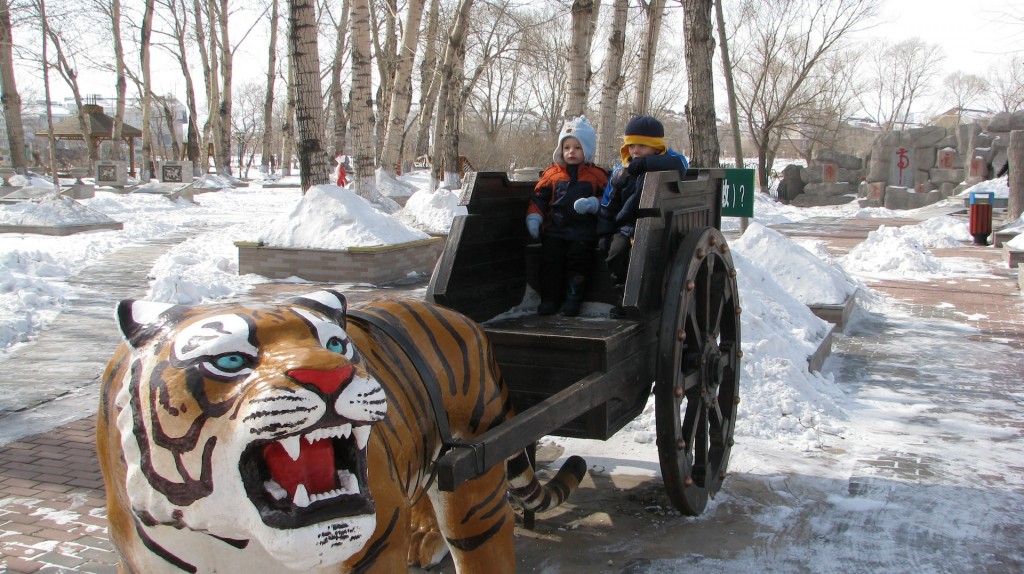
[380,264]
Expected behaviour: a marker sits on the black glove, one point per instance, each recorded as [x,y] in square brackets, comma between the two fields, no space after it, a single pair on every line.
[637,166]
[619,177]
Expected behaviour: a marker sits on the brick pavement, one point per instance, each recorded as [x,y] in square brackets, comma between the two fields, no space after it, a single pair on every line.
[52,516]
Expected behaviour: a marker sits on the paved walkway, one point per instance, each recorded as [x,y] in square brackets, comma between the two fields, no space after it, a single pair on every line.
[52,516]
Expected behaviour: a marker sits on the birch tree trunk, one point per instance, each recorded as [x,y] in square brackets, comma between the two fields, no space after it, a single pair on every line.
[608,141]
[226,71]
[337,94]
[120,82]
[49,111]
[212,129]
[648,50]
[444,139]
[584,20]
[267,149]
[386,57]
[700,111]
[211,88]
[401,93]
[146,170]
[314,165]
[429,81]
[193,144]
[9,96]
[361,97]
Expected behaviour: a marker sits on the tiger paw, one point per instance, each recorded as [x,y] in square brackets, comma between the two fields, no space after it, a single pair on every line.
[427,549]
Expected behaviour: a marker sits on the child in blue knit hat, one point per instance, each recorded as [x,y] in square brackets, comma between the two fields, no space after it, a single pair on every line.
[563,215]
[643,150]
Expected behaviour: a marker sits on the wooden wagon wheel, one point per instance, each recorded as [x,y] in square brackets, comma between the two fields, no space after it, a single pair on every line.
[697,386]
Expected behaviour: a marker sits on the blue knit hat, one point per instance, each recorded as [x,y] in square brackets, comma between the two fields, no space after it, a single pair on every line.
[580,129]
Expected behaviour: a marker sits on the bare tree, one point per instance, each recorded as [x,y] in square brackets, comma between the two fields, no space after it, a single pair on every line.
[219,15]
[901,73]
[429,80]
[314,165]
[1006,82]
[267,149]
[584,22]
[147,131]
[9,96]
[68,70]
[965,89]
[446,129]
[361,118]
[401,91]
[41,6]
[780,45]
[178,14]
[655,10]
[700,110]
[607,140]
[546,76]
[338,101]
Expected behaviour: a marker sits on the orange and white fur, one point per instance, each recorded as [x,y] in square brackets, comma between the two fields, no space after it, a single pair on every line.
[290,436]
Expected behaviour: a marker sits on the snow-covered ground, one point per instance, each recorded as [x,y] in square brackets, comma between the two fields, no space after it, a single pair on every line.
[786,409]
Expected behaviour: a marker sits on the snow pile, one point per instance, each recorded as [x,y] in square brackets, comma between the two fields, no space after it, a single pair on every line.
[332,217]
[802,274]
[999,186]
[431,211]
[51,211]
[889,252]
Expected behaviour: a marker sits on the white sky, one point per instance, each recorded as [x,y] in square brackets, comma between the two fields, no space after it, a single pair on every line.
[973,35]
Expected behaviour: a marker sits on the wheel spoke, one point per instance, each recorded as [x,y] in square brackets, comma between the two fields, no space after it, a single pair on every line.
[698,370]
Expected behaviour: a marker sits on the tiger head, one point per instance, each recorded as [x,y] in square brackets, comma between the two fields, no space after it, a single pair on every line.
[250,424]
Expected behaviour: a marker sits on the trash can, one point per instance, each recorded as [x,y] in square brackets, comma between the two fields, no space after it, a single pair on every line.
[980,222]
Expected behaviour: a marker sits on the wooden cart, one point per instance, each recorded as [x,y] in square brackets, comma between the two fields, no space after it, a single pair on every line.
[588,377]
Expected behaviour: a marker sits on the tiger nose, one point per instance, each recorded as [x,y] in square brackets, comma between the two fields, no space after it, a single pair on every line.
[327,382]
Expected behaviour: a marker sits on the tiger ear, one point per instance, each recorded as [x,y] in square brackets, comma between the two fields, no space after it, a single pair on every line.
[328,301]
[139,320]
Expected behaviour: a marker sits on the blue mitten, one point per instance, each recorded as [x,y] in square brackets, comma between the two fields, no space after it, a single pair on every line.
[533,222]
[586,205]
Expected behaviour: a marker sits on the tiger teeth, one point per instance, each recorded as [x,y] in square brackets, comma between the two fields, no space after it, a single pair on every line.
[361,434]
[291,446]
[301,498]
[348,484]
[342,431]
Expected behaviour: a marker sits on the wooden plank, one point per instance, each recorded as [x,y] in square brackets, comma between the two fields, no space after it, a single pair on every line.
[494,446]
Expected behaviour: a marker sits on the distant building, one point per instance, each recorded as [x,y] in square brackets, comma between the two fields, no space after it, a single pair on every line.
[34,118]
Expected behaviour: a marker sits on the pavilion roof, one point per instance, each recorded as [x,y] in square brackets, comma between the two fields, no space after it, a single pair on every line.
[100,126]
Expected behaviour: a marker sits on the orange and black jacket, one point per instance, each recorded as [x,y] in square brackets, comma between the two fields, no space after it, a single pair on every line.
[556,192]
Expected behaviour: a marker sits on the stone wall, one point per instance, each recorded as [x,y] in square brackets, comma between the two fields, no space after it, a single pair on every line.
[830,179]
[917,167]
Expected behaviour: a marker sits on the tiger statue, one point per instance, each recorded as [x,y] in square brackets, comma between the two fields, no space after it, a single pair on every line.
[300,435]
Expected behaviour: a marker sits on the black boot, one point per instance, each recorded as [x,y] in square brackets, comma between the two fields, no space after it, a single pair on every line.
[617,312]
[547,308]
[573,296]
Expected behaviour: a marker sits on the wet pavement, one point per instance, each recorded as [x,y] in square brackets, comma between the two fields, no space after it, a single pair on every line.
[52,500]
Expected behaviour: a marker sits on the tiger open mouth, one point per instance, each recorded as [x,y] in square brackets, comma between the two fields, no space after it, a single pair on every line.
[308,478]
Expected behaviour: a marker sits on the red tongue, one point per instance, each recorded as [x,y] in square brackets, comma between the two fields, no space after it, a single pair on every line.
[314,467]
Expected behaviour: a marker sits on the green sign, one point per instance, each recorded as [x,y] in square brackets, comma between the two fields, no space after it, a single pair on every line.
[738,193]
